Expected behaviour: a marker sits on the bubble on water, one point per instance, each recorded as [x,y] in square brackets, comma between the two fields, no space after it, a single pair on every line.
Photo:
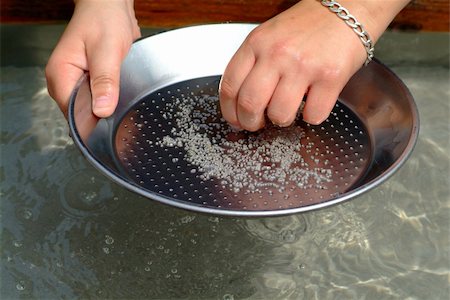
[20,286]
[88,197]
[187,219]
[17,244]
[106,250]
[109,240]
[228,297]
[174,271]
[27,214]
[147,269]
[288,236]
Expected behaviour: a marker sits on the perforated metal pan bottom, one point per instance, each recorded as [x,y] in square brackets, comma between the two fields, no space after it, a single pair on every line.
[171,138]
[170,144]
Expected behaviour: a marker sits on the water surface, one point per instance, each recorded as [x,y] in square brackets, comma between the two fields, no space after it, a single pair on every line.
[69,232]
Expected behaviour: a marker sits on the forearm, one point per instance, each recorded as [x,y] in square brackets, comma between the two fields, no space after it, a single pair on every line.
[105,1]
[128,3]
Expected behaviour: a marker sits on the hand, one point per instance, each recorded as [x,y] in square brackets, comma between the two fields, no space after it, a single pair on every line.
[306,50]
[96,39]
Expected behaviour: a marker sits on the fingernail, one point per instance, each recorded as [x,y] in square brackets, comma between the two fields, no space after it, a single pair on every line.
[236,127]
[102,102]
[281,125]
[253,123]
[314,121]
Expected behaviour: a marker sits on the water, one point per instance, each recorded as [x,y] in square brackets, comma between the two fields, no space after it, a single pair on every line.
[68,232]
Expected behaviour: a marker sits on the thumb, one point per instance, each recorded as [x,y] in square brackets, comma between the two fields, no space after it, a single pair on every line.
[104,60]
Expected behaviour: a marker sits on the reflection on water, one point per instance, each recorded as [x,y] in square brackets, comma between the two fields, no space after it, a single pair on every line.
[68,232]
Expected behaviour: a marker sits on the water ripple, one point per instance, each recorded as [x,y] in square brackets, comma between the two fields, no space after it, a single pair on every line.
[95,195]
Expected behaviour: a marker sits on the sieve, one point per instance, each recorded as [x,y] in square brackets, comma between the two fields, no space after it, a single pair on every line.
[168,142]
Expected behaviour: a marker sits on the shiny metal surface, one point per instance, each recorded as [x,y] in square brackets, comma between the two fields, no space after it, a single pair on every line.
[374,99]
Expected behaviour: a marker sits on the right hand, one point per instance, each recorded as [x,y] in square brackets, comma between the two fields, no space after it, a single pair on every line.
[306,50]
[97,39]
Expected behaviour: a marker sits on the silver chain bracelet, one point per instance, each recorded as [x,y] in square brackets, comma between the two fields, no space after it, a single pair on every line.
[351,21]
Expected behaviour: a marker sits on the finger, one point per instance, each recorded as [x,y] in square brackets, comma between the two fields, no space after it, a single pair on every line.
[235,73]
[283,107]
[319,103]
[62,77]
[254,95]
[104,60]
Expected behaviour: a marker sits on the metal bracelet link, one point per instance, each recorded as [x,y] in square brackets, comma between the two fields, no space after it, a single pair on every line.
[351,21]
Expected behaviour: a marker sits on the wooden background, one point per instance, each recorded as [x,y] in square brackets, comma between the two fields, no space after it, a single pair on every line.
[423,15]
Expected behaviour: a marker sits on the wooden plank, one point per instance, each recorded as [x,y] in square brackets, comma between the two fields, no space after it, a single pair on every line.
[425,15]
[23,11]
[172,13]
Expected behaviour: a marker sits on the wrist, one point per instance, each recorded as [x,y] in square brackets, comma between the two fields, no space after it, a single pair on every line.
[376,18]
[374,15]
